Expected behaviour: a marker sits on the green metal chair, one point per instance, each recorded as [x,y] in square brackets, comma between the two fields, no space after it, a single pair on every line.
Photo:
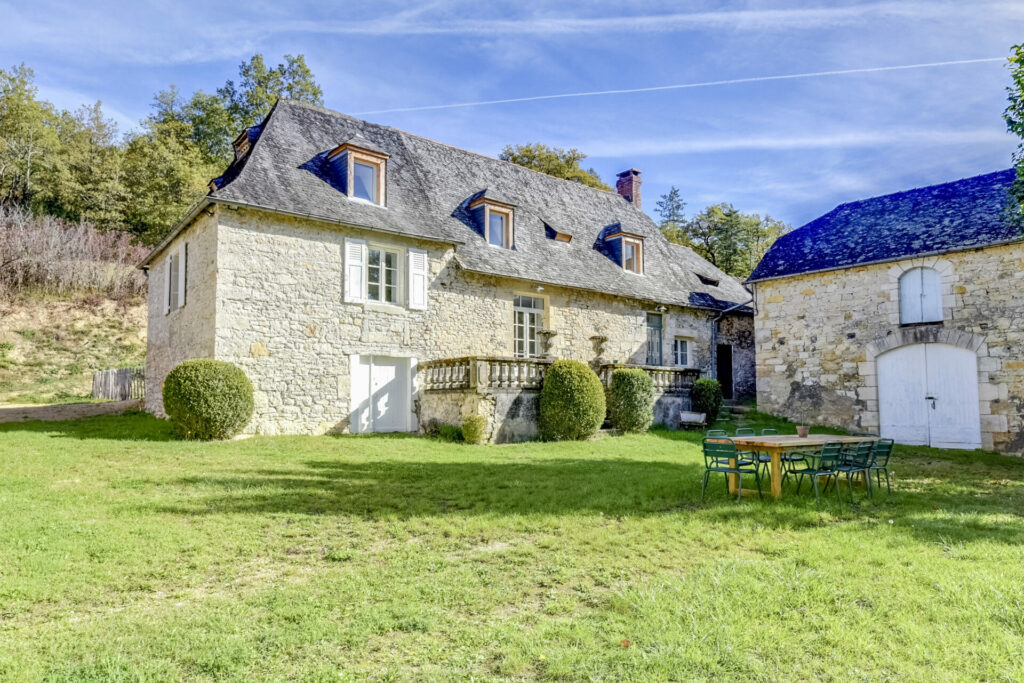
[715,433]
[854,460]
[818,465]
[880,462]
[719,456]
[749,456]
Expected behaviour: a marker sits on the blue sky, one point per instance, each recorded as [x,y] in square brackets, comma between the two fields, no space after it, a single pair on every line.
[791,148]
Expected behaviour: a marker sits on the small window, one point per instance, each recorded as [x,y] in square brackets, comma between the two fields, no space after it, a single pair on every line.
[654,338]
[528,318]
[707,280]
[364,181]
[175,275]
[497,229]
[681,352]
[382,276]
[920,296]
[632,256]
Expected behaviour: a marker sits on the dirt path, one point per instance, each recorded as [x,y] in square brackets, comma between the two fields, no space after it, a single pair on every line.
[67,411]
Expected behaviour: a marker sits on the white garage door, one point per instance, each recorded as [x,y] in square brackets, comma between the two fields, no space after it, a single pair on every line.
[381,395]
[928,396]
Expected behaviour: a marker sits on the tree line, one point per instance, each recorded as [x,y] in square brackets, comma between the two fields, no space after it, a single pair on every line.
[77,166]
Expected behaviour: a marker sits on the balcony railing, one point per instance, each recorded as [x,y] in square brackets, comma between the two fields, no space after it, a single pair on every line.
[482,372]
[475,372]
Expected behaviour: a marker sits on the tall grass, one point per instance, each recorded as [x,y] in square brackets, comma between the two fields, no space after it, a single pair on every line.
[44,253]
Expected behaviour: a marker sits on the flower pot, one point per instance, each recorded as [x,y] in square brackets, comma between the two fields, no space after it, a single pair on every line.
[803,431]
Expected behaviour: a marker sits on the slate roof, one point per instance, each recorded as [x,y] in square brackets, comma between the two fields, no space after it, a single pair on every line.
[429,187]
[963,214]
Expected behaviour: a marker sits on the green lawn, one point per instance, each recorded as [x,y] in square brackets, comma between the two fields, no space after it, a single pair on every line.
[125,556]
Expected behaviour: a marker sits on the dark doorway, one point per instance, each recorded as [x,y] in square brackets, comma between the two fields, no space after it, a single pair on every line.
[724,368]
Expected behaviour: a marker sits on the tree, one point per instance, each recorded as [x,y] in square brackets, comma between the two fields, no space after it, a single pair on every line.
[84,179]
[259,87]
[733,241]
[673,219]
[555,161]
[28,138]
[1014,116]
[165,173]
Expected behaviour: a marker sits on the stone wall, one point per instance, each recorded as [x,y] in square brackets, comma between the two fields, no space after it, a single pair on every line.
[281,315]
[817,337]
[186,332]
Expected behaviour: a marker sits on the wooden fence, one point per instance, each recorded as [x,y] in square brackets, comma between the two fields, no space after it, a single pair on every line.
[119,385]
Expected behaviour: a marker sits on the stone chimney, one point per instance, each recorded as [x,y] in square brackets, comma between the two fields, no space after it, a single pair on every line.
[628,185]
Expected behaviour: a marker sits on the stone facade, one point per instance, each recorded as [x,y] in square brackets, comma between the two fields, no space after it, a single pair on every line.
[265,291]
[818,336]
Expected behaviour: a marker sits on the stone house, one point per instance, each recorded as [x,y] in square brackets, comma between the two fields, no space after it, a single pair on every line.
[367,279]
[900,315]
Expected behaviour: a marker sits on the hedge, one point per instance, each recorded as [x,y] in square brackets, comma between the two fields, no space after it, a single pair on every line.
[707,398]
[207,399]
[572,402]
[631,400]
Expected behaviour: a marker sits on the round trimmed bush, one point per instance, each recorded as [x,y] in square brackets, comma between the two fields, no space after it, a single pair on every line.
[706,398]
[631,400]
[572,403]
[207,399]
[473,429]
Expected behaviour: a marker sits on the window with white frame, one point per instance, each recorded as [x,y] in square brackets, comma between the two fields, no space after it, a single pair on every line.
[920,296]
[681,352]
[528,319]
[375,273]
[382,276]
[633,256]
[175,278]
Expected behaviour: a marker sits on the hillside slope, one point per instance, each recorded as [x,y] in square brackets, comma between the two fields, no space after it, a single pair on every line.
[49,347]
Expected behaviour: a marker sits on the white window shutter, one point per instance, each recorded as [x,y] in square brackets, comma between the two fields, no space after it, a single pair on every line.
[931,295]
[910,297]
[355,271]
[167,285]
[182,253]
[418,279]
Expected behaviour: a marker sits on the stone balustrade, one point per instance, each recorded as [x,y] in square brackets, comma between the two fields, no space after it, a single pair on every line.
[482,373]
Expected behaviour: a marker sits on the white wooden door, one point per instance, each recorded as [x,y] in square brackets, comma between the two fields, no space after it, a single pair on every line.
[928,395]
[380,394]
[954,420]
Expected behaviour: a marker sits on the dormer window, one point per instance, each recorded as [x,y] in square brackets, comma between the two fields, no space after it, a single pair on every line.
[633,255]
[495,220]
[363,171]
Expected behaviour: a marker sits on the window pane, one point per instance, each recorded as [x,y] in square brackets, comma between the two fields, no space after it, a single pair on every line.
[629,256]
[364,181]
[373,292]
[497,230]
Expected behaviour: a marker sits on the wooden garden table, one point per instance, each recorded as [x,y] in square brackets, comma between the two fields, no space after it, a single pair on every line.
[775,445]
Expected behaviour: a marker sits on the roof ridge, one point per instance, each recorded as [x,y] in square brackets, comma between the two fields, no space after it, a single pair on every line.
[325,110]
[915,189]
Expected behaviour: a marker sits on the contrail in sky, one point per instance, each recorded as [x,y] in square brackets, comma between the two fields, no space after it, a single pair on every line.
[683,86]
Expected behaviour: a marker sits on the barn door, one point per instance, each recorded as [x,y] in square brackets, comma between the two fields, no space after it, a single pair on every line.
[928,396]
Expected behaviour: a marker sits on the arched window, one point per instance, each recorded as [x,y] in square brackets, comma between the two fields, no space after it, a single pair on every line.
[920,296]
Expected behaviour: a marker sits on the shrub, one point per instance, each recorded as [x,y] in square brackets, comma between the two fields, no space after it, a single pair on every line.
[631,400]
[572,403]
[207,399]
[473,429]
[447,432]
[707,398]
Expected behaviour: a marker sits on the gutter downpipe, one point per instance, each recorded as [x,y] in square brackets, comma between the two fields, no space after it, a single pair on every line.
[714,334]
